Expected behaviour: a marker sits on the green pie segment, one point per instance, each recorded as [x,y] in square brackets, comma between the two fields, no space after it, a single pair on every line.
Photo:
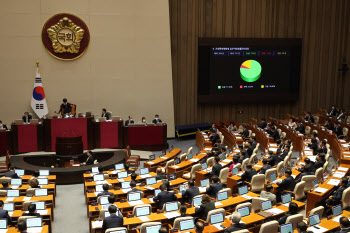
[250,71]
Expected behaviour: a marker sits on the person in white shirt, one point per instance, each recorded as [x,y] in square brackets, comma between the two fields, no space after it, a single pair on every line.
[2,126]
[268,194]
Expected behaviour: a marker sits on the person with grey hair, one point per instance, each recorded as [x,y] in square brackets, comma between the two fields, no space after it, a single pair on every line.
[236,225]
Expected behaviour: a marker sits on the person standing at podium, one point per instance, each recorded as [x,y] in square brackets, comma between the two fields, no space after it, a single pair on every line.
[104,114]
[90,158]
[26,118]
[156,119]
[65,108]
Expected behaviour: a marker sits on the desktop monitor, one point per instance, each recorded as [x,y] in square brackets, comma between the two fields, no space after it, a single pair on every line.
[187,224]
[142,211]
[243,190]
[152,157]
[204,182]
[234,171]
[171,206]
[177,161]
[40,192]
[98,177]
[107,214]
[99,188]
[156,192]
[134,196]
[265,205]
[197,201]
[337,210]
[34,222]
[273,177]
[204,166]
[16,181]
[144,171]
[190,156]
[153,229]
[216,218]
[151,181]
[3,223]
[244,211]
[221,196]
[44,172]
[126,185]
[314,220]
[19,172]
[287,228]
[183,187]
[118,231]
[171,176]
[94,170]
[43,181]
[315,183]
[9,207]
[103,200]
[286,198]
[122,175]
[119,166]
[13,193]
[283,170]
[40,205]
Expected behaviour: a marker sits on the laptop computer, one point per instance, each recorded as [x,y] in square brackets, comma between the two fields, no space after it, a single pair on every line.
[99,188]
[190,156]
[44,172]
[122,175]
[40,205]
[315,183]
[171,206]
[134,196]
[265,205]
[142,211]
[40,192]
[43,181]
[9,207]
[286,198]
[150,181]
[103,200]
[287,228]
[98,177]
[221,196]
[34,222]
[234,171]
[13,193]
[216,218]
[187,224]
[177,161]
[3,223]
[337,210]
[19,172]
[197,201]
[156,192]
[126,185]
[205,182]
[153,229]
[244,211]
[119,166]
[94,170]
[171,176]
[243,190]
[204,166]
[273,177]
[183,187]
[314,220]
[16,182]
[144,171]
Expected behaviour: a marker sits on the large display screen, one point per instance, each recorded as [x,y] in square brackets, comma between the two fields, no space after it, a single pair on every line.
[248,70]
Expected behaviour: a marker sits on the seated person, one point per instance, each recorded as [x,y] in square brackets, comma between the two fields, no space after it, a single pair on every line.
[164,196]
[284,153]
[111,199]
[248,173]
[156,119]
[222,155]
[127,169]
[293,209]
[213,127]
[206,206]
[105,192]
[235,221]
[263,123]
[333,111]
[4,213]
[280,145]
[320,160]
[216,150]
[302,227]
[341,116]
[65,107]
[300,128]
[104,113]
[143,120]
[11,173]
[199,227]
[329,125]
[307,172]
[162,230]
[309,163]
[90,159]
[250,148]
[33,184]
[3,126]
[113,220]
[232,127]
[216,167]
[243,155]
[129,121]
[313,146]
[336,197]
[133,187]
[274,134]
[26,118]
[213,137]
[234,163]
[309,117]
[240,148]
[22,226]
[5,186]
[337,129]
[268,129]
[167,185]
[288,183]
[268,194]
[245,132]
[323,146]
[183,210]
[314,135]
[133,176]
[265,167]
[101,170]
[291,123]
[273,158]
[160,175]
[192,191]
[344,225]
[215,187]
[31,211]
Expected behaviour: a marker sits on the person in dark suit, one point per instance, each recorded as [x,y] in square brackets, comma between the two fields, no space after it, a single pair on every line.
[127,169]
[206,206]
[248,173]
[215,187]
[133,187]
[313,146]
[288,183]
[26,118]
[337,129]
[263,123]
[320,160]
[104,113]
[341,116]
[183,212]
[280,145]
[329,125]
[129,121]
[309,117]
[265,167]
[284,153]
[164,196]
[156,119]
[302,227]
[273,158]
[250,148]
[105,192]
[113,220]
[22,226]
[323,146]
[307,172]
[242,156]
[245,132]
[254,142]
[274,134]
[236,225]
[11,173]
[213,127]
[90,158]
[3,126]
[111,199]
[160,175]
[65,107]
[300,128]
[4,213]
[217,167]
[333,112]
[336,197]
[292,210]
[199,227]
[344,225]
[192,191]
[213,137]
[31,211]
[5,186]
[308,163]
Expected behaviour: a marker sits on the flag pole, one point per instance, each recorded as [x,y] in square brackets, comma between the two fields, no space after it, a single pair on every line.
[37,65]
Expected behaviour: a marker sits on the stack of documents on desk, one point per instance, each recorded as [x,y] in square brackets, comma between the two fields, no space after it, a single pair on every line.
[194,160]
[97,224]
[339,174]
[319,230]
[172,215]
[275,211]
[133,203]
[333,182]
[320,190]
[145,176]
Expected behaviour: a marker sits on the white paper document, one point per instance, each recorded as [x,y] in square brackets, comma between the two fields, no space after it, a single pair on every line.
[202,189]
[194,160]
[207,149]
[223,164]
[144,219]
[227,160]
[164,157]
[333,182]
[114,172]
[246,197]
[257,165]
[126,190]
[133,203]
[320,190]
[9,199]
[275,211]
[3,230]
[103,182]
[27,198]
[273,149]
[312,158]
[121,180]
[218,204]
[336,219]
[10,213]
[172,215]
[34,229]
[175,166]
[145,176]
[97,224]
[42,212]
[151,199]
[218,226]
[149,188]
[238,137]
[342,169]
[150,162]
[339,174]
[319,230]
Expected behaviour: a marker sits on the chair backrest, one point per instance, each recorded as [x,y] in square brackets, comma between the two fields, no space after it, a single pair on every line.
[294,219]
[183,157]
[279,132]
[279,168]
[7,179]
[171,162]
[346,198]
[250,133]
[256,203]
[228,190]
[345,131]
[178,220]
[34,121]
[244,163]
[102,119]
[196,167]
[269,227]
[210,161]
[315,131]
[317,119]
[284,135]
[106,176]
[139,206]
[19,122]
[257,146]
[240,128]
[328,146]
[190,150]
[327,155]
[23,218]
[102,213]
[116,229]
[238,166]
[3,193]
[252,158]
[299,190]
[223,175]
[216,211]
[307,130]
[255,151]
[247,204]
[258,182]
[308,182]
[30,191]
[318,210]
[148,224]
[269,172]
[325,166]
[319,174]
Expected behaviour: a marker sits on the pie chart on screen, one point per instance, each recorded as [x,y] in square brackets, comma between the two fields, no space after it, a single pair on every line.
[250,71]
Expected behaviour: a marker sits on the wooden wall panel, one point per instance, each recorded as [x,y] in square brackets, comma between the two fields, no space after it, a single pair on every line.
[323,25]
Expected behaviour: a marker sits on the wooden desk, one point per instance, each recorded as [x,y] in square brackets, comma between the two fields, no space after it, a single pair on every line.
[51,188]
[295,138]
[163,159]
[179,168]
[261,138]
[19,200]
[15,230]
[229,139]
